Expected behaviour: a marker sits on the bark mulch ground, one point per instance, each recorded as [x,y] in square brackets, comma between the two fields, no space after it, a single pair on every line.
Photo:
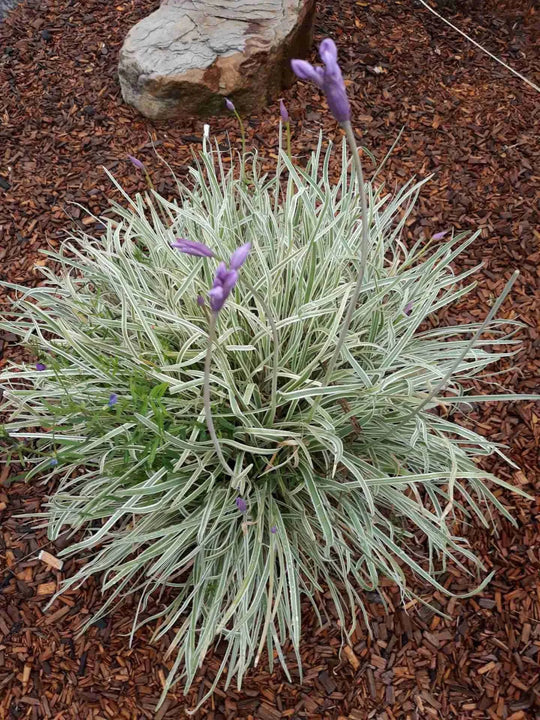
[468,122]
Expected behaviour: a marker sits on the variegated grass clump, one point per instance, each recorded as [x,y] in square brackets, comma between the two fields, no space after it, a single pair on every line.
[333,462]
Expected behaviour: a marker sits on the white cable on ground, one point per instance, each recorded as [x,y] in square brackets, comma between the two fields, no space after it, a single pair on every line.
[483,49]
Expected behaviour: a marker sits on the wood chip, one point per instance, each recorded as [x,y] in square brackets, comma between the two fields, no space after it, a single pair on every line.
[351,657]
[50,619]
[51,560]
[526,633]
[486,668]
[26,675]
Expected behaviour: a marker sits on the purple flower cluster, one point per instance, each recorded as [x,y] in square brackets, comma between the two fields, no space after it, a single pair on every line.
[329,79]
[225,278]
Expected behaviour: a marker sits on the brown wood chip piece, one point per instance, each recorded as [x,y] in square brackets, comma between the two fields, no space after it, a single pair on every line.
[267,712]
[163,709]
[51,560]
[486,668]
[526,633]
[327,682]
[26,674]
[351,657]
[46,588]
[50,619]
[371,684]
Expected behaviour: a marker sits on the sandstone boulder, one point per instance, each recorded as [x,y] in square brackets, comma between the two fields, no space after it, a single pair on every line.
[186,57]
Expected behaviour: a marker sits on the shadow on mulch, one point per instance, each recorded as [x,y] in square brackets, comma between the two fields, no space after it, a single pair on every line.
[468,122]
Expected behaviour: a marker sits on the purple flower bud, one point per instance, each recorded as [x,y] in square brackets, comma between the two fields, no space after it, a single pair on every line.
[137,163]
[113,399]
[283,112]
[239,256]
[53,462]
[200,301]
[273,529]
[191,247]
[439,235]
[230,281]
[408,308]
[328,51]
[221,272]
[241,504]
[328,79]
[217,298]
[229,105]
[40,367]
[306,71]
[225,280]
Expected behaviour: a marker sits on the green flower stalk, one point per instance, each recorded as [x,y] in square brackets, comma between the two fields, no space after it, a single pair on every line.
[330,80]
[206,394]
[224,282]
[286,121]
[142,167]
[230,106]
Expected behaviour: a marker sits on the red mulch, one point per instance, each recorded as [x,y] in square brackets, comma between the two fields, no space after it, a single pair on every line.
[468,121]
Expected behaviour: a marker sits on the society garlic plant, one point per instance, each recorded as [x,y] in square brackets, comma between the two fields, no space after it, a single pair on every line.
[238,400]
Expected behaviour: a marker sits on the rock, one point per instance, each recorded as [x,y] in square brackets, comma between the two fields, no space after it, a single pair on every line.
[186,57]
[6,5]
